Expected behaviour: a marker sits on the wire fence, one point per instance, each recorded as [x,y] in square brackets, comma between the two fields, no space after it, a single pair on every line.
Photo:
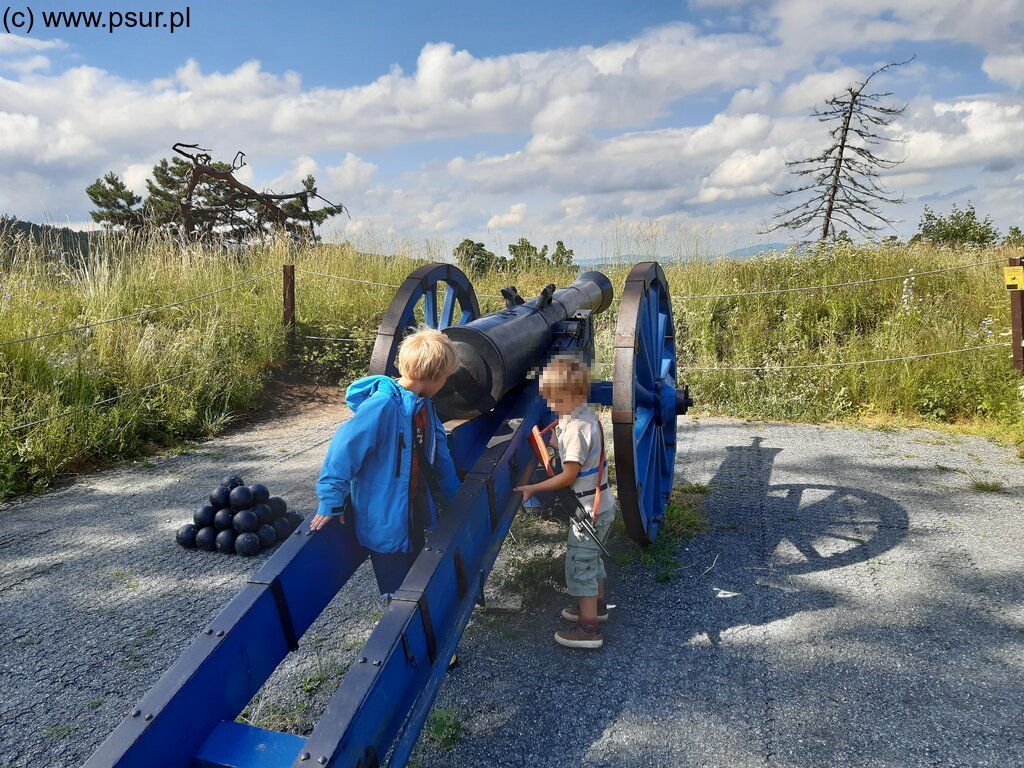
[140,313]
[345,278]
[109,400]
[842,364]
[830,286]
[371,282]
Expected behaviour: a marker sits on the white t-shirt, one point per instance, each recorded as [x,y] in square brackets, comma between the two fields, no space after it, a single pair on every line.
[579,439]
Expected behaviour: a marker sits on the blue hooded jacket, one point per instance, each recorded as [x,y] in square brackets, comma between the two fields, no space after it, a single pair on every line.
[370,459]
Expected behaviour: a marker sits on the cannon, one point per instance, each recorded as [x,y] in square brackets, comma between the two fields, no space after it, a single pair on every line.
[490,406]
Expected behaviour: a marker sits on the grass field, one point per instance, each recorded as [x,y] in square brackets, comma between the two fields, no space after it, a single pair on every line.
[218,350]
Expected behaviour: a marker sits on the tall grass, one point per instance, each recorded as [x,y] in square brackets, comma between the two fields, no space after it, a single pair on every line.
[225,345]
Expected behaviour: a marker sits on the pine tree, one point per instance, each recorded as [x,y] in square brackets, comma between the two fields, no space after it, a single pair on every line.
[115,203]
[201,198]
[843,180]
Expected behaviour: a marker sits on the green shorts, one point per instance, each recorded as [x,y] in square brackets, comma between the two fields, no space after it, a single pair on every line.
[584,567]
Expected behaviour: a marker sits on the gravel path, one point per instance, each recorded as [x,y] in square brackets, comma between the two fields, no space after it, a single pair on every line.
[856,603]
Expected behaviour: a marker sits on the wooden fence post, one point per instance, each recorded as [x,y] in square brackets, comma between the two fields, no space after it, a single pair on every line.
[1017,321]
[288,273]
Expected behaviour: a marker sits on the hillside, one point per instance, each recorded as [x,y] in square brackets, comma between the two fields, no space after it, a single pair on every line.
[881,336]
[67,240]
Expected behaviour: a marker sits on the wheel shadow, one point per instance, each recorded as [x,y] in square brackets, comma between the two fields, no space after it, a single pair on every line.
[686,657]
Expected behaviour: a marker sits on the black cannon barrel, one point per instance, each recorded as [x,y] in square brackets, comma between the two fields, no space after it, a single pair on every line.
[497,350]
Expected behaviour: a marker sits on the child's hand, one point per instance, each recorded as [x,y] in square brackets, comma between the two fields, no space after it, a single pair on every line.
[319,521]
[526,490]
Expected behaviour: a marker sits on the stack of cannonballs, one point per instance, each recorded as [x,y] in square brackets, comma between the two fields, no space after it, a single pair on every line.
[242,519]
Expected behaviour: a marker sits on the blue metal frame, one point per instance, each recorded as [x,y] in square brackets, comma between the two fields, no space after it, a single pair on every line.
[187,718]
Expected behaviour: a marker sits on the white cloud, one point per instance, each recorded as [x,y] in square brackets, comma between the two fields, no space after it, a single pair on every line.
[27,64]
[1008,68]
[588,151]
[135,176]
[17,45]
[832,25]
[350,176]
[505,220]
[975,132]
[813,90]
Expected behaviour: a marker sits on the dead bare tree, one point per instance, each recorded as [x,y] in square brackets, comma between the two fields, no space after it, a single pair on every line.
[843,181]
[236,210]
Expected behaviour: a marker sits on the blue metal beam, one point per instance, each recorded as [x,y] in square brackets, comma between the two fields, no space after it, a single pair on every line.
[230,660]
[234,745]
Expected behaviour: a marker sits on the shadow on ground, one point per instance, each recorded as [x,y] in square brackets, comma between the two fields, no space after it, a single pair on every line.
[814,626]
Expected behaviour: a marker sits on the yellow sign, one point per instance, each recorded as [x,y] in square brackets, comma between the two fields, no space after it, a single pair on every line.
[1014,278]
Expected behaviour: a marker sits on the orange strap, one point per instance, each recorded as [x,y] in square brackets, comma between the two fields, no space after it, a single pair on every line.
[540,449]
[600,469]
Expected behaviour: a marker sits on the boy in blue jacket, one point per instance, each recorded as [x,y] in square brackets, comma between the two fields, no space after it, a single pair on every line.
[375,460]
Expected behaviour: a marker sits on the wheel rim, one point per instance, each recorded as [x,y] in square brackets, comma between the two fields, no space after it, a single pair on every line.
[435,295]
[644,401]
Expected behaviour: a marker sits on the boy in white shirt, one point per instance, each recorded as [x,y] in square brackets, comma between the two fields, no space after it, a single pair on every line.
[565,385]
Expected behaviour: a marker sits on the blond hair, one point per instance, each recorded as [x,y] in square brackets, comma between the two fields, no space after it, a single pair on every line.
[565,373]
[427,355]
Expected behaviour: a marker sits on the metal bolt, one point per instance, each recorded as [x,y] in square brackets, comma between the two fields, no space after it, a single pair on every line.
[298,532]
[136,713]
[209,631]
[322,760]
[376,662]
[148,717]
[304,756]
[309,533]
[220,633]
[426,549]
[362,659]
[440,551]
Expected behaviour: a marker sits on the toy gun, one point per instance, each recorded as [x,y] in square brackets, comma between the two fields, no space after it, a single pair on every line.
[565,496]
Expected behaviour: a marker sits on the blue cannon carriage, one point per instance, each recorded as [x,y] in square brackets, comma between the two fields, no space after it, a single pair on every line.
[490,406]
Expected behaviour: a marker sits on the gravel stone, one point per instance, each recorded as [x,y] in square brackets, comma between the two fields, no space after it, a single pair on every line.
[856,603]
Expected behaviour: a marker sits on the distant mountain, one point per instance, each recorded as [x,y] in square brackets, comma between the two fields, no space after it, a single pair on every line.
[66,240]
[754,250]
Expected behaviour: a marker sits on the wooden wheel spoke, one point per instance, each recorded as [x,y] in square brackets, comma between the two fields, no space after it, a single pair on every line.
[415,302]
[430,307]
[448,306]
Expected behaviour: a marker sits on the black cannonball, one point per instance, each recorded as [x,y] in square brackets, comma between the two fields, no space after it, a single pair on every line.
[264,513]
[220,497]
[206,539]
[204,516]
[260,493]
[294,518]
[223,519]
[231,482]
[241,498]
[277,505]
[247,544]
[226,542]
[268,536]
[283,527]
[246,521]
[187,536]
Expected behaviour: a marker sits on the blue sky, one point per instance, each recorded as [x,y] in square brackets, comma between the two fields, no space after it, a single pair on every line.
[609,125]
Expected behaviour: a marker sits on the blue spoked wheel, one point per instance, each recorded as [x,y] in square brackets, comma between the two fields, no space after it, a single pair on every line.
[645,401]
[435,295]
